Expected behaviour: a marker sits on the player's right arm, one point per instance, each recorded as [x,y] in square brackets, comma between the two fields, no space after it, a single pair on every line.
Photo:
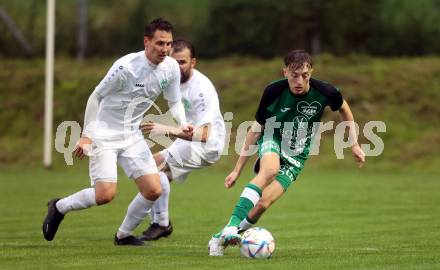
[347,116]
[112,82]
[84,143]
[252,137]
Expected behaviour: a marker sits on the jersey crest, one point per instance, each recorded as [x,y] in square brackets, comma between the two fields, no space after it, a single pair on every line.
[163,83]
[186,104]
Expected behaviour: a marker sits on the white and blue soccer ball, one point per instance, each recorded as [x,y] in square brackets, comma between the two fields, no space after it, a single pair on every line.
[257,243]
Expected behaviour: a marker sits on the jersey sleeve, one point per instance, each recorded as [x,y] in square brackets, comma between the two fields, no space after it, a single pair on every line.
[206,105]
[113,80]
[172,91]
[261,115]
[270,95]
[335,99]
[332,94]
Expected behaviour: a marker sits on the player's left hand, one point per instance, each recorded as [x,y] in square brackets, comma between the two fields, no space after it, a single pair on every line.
[358,155]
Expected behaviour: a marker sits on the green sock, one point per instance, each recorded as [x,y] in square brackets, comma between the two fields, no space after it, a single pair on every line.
[217,235]
[248,198]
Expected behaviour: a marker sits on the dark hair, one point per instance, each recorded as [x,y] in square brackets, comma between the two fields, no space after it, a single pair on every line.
[157,24]
[180,44]
[295,59]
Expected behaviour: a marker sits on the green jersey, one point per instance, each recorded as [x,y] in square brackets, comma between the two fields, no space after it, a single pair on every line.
[290,122]
[294,119]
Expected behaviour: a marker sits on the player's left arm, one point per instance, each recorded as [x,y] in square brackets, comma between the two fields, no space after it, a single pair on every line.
[347,115]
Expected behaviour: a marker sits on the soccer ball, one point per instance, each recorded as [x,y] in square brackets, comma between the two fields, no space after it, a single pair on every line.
[257,243]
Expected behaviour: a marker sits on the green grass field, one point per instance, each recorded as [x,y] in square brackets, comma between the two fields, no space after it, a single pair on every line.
[385,216]
[329,219]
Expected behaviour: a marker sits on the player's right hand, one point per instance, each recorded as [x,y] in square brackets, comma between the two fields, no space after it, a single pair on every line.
[358,155]
[82,147]
[231,179]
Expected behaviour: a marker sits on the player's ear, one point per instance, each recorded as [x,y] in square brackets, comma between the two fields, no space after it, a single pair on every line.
[193,62]
[285,70]
[146,41]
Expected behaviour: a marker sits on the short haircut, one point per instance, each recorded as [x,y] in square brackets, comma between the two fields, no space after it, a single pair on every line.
[157,24]
[180,44]
[297,58]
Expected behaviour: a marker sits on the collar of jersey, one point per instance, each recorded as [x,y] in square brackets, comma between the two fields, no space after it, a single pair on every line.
[149,63]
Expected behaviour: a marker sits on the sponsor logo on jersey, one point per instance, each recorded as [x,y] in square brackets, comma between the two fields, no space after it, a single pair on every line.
[300,122]
[309,109]
[140,84]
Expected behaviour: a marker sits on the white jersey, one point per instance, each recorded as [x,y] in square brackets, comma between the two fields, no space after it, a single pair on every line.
[129,89]
[201,103]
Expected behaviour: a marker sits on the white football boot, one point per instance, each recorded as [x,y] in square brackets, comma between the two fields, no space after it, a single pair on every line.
[215,247]
[230,236]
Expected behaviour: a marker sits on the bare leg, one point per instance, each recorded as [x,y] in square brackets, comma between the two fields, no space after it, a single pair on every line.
[270,194]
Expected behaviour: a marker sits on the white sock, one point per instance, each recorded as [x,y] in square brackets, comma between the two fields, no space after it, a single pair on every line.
[160,207]
[151,215]
[245,224]
[136,212]
[81,200]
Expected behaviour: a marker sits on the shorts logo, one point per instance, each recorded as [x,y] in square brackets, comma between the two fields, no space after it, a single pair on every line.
[291,160]
[269,146]
[309,109]
[285,109]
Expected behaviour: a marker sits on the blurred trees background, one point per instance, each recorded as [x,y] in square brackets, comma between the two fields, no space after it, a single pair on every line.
[261,28]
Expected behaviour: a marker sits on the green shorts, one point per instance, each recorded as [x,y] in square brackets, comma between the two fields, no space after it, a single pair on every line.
[290,167]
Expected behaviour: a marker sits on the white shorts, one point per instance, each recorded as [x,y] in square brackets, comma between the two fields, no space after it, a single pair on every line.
[133,155]
[184,156]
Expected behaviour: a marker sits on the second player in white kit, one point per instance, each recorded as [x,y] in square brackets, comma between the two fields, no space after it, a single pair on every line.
[187,153]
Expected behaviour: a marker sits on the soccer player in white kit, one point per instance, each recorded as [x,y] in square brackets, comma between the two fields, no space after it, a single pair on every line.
[187,153]
[113,114]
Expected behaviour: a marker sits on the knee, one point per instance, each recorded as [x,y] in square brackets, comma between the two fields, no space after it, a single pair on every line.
[104,197]
[153,193]
[270,172]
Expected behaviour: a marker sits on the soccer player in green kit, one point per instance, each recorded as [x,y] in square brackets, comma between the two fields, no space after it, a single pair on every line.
[286,120]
